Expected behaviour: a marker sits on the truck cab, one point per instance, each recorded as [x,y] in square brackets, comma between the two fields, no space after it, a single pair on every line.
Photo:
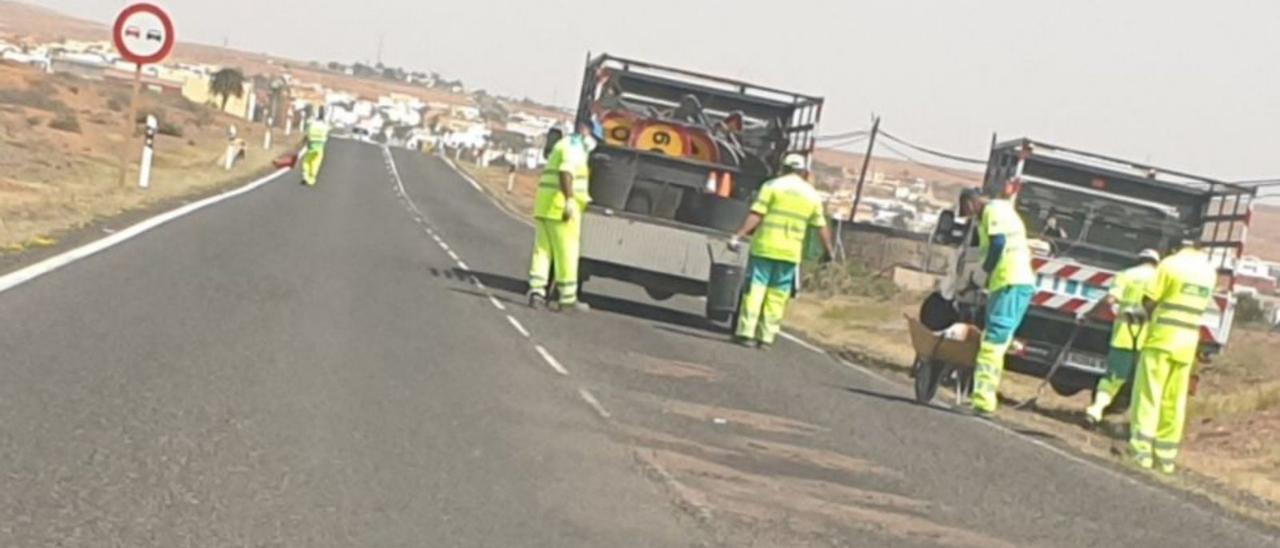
[682,157]
[1087,217]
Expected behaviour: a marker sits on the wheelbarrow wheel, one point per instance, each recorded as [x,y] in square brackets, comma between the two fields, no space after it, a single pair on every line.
[927,375]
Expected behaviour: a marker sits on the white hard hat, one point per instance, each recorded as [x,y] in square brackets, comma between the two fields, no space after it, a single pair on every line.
[1149,255]
[795,161]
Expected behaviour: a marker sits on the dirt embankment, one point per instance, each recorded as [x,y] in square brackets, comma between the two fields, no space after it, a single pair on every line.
[61,138]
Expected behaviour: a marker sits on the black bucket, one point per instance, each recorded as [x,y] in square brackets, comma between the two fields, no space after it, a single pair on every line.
[938,313]
[611,180]
[724,214]
[723,288]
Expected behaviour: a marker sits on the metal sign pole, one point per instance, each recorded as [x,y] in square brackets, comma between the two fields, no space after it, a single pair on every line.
[130,123]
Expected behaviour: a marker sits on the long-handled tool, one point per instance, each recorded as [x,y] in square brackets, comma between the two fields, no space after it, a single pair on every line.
[1057,363]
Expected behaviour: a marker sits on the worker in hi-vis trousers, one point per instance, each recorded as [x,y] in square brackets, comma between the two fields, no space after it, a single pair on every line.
[780,218]
[561,198]
[1127,331]
[317,136]
[1002,243]
[1176,301]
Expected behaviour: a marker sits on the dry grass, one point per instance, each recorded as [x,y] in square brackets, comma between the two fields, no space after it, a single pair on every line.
[58,176]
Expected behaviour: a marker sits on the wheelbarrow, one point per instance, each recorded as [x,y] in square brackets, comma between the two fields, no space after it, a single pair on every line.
[947,355]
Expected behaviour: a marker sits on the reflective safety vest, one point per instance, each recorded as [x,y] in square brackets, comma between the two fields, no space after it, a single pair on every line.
[1128,289]
[317,135]
[1182,291]
[1014,268]
[568,155]
[789,206]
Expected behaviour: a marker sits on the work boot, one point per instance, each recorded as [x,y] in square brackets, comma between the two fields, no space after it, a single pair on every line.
[970,411]
[569,308]
[537,300]
[744,342]
[1092,418]
[1166,467]
[764,346]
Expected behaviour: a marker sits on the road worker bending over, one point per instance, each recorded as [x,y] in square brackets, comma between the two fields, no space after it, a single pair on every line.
[780,218]
[1127,331]
[1002,241]
[557,215]
[317,136]
[1176,301]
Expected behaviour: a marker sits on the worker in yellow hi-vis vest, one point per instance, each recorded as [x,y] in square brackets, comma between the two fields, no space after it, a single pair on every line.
[1002,243]
[1176,301]
[1127,330]
[317,137]
[561,198]
[786,208]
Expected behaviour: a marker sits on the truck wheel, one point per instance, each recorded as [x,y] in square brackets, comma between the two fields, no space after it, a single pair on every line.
[927,374]
[658,294]
[1066,388]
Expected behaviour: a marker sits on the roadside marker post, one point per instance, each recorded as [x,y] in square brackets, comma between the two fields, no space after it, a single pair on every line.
[148,150]
[143,35]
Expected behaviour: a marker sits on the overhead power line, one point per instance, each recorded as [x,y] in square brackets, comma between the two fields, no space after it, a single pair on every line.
[933,152]
[840,136]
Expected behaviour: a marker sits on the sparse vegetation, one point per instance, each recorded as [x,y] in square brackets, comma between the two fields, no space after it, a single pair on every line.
[65,121]
[848,278]
[37,97]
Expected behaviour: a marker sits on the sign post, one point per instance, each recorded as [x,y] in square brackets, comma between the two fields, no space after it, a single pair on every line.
[143,35]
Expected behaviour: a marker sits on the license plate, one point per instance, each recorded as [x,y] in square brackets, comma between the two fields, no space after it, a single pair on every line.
[1087,361]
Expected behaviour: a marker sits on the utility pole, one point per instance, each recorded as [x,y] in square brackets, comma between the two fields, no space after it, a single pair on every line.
[866,163]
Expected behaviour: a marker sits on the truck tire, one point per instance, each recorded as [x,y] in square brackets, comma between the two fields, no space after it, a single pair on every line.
[658,294]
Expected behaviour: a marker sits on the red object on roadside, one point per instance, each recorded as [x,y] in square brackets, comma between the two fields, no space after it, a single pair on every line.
[286,160]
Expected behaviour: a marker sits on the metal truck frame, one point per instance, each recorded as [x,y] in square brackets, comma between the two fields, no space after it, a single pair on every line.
[653,221]
[1109,209]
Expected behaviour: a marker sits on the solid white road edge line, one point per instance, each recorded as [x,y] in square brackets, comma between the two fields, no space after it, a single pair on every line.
[465,177]
[519,327]
[551,360]
[594,403]
[23,275]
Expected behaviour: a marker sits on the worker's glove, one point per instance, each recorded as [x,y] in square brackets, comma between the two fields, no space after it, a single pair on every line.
[1082,317]
[735,242]
[826,258]
[570,210]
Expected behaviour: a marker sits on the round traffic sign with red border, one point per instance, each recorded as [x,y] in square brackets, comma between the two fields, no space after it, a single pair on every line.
[143,34]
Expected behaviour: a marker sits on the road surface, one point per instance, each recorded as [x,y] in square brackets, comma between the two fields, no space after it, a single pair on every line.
[350,365]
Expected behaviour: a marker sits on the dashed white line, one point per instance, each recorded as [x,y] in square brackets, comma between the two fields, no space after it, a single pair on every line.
[594,403]
[551,360]
[497,304]
[463,266]
[519,327]
[479,284]
[444,245]
[452,255]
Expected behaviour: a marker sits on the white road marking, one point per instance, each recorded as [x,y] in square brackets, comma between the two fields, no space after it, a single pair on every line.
[452,255]
[463,266]
[594,403]
[519,327]
[803,343]
[478,283]
[23,275]
[465,177]
[497,304]
[551,360]
[444,245]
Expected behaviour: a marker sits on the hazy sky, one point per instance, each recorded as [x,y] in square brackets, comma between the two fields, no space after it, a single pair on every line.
[1189,84]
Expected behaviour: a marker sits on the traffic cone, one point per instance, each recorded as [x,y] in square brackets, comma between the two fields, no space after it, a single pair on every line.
[726,185]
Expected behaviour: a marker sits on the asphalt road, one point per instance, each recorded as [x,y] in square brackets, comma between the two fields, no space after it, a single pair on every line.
[310,367]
